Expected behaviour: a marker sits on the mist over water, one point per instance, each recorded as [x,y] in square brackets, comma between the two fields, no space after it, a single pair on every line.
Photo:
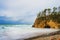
[21,32]
[5,28]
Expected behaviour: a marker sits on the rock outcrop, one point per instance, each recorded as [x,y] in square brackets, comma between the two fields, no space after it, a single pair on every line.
[49,21]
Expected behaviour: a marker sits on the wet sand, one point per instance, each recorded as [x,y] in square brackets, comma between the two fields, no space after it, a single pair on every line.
[52,36]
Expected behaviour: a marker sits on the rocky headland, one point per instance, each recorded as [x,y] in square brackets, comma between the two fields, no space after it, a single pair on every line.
[48,19]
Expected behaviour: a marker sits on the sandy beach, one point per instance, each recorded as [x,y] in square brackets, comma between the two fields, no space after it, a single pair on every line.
[53,36]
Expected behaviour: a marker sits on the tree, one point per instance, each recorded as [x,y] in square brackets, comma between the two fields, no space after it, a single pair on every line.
[49,10]
[59,9]
[54,9]
[45,12]
[39,14]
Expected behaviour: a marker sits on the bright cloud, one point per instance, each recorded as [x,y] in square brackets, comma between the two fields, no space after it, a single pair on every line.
[25,10]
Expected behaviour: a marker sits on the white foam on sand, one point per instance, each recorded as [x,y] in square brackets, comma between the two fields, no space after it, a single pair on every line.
[12,33]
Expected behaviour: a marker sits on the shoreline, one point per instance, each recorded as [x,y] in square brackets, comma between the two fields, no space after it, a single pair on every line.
[45,36]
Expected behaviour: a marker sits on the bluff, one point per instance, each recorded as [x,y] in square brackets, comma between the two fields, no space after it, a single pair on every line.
[52,20]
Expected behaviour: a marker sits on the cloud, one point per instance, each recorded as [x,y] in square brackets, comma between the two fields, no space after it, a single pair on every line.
[25,10]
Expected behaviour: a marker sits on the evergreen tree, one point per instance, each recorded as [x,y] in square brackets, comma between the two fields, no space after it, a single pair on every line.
[59,10]
[39,14]
[49,10]
[54,9]
[45,12]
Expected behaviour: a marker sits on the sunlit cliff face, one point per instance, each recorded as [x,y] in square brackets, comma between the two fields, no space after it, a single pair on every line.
[48,24]
[52,20]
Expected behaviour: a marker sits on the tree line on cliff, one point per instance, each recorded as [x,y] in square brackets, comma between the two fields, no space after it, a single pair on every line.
[50,14]
[49,11]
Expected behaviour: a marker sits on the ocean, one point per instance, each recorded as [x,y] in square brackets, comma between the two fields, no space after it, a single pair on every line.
[21,32]
[5,28]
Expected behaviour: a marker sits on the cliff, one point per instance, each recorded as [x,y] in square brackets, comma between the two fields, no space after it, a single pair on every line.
[48,21]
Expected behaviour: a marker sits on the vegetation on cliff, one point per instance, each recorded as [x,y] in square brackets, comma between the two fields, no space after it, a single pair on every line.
[48,17]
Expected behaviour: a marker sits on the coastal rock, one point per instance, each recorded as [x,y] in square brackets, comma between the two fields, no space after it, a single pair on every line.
[50,21]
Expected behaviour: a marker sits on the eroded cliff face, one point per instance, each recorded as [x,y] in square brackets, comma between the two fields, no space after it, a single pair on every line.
[50,22]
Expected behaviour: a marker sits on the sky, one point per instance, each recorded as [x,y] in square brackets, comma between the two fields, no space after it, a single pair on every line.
[23,11]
